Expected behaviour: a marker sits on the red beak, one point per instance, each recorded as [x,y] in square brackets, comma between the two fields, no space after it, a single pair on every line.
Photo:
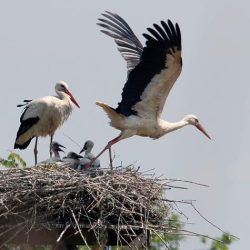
[72,98]
[199,126]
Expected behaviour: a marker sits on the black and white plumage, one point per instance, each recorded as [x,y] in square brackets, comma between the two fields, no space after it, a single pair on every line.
[152,72]
[155,67]
[42,116]
[25,102]
[128,44]
[88,156]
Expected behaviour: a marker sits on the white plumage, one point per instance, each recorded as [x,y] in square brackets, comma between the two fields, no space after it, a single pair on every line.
[152,71]
[42,116]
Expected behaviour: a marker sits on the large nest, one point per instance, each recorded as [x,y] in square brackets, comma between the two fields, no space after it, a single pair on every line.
[53,195]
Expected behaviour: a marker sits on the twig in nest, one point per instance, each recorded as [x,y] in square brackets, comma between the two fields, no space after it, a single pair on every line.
[62,233]
[79,229]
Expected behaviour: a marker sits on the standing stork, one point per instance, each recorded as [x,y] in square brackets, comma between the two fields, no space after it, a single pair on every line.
[42,116]
[152,72]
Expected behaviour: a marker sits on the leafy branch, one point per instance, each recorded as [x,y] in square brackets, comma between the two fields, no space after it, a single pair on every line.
[13,160]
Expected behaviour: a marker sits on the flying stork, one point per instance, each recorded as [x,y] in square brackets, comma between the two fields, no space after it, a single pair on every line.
[152,71]
[42,116]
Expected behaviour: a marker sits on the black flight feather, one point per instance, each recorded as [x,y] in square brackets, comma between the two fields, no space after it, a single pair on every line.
[152,61]
[25,126]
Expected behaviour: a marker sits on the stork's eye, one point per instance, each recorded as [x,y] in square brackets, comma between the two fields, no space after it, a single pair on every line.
[196,120]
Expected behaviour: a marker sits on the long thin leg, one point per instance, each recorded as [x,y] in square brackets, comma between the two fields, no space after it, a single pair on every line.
[110,143]
[50,150]
[110,159]
[35,150]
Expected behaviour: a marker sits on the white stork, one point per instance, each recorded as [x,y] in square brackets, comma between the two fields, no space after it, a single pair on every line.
[152,71]
[42,116]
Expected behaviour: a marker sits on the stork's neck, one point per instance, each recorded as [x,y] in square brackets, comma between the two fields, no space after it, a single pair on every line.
[88,150]
[63,96]
[172,126]
[66,105]
[89,155]
[56,154]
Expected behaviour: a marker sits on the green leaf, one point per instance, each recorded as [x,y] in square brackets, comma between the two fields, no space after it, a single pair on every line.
[13,160]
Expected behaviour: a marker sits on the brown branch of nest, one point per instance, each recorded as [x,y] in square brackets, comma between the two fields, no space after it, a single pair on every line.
[121,200]
[124,200]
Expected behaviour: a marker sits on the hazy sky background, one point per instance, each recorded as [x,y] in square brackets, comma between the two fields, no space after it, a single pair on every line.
[47,41]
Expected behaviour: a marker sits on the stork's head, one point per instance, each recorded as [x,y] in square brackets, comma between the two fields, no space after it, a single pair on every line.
[193,120]
[62,87]
[56,147]
[88,145]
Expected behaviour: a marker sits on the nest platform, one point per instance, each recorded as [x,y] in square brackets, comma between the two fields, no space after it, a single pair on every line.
[54,204]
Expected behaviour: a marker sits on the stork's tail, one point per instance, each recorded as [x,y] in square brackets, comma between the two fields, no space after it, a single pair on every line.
[24,145]
[112,114]
[23,137]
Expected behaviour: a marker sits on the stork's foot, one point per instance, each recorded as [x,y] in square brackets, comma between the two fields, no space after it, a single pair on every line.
[89,165]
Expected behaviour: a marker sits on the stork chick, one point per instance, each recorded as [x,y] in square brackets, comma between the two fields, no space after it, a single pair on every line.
[88,156]
[55,148]
[72,160]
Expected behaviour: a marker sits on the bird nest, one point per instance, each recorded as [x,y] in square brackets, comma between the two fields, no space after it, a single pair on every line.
[123,200]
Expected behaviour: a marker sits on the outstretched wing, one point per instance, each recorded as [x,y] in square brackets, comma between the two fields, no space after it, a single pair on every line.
[128,44]
[150,82]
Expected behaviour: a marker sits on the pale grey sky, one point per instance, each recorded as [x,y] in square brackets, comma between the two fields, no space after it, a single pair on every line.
[46,41]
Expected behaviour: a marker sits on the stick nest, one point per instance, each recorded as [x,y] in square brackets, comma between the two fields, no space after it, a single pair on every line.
[57,195]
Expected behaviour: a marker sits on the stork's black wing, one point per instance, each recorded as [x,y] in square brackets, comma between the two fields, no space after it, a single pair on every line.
[128,44]
[27,121]
[150,82]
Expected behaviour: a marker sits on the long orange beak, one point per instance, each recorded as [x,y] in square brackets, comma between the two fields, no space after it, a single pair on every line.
[199,126]
[72,98]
